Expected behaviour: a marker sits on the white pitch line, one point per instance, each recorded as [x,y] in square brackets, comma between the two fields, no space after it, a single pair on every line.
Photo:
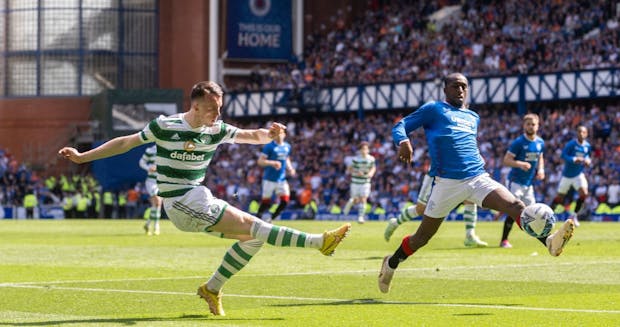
[101,280]
[318,273]
[296,298]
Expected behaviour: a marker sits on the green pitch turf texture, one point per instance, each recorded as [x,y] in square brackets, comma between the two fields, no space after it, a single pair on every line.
[108,273]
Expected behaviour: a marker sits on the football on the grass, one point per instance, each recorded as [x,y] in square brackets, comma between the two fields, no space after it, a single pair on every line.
[537,220]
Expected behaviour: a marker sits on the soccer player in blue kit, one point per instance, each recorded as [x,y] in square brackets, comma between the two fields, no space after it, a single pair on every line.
[525,156]
[276,161]
[576,155]
[458,172]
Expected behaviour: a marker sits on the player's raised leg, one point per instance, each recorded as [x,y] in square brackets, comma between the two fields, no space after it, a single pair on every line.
[235,221]
[557,241]
[501,199]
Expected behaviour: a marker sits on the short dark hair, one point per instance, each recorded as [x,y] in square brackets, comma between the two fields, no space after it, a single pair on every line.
[451,78]
[203,88]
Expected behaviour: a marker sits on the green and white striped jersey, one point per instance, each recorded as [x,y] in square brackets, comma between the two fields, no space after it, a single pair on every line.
[360,166]
[148,160]
[183,152]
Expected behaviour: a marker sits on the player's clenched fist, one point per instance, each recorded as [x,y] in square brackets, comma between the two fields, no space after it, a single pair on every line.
[275,129]
[405,152]
[70,153]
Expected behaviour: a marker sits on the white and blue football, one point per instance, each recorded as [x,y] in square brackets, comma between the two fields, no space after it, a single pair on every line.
[537,220]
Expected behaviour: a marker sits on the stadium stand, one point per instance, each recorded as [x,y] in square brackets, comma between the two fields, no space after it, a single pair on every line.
[329,142]
[398,42]
[408,41]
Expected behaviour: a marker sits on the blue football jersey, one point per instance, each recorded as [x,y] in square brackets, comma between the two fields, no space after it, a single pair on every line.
[280,152]
[571,151]
[451,135]
[526,150]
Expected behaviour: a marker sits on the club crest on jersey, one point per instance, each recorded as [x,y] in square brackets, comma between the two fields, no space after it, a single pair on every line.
[214,209]
[205,139]
[189,146]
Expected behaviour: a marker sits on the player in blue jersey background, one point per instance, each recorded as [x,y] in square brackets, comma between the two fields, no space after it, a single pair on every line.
[276,162]
[576,156]
[457,168]
[525,156]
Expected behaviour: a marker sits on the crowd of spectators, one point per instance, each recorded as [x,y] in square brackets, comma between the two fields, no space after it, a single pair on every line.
[322,146]
[16,179]
[395,41]
[67,191]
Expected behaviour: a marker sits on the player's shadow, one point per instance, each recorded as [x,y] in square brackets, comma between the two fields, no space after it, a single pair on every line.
[363,258]
[133,321]
[381,302]
[467,248]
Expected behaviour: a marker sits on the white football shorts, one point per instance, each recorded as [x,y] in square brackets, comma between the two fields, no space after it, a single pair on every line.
[151,187]
[195,211]
[360,190]
[425,189]
[447,193]
[522,192]
[279,188]
[577,182]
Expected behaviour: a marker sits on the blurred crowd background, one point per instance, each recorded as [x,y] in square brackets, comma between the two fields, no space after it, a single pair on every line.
[396,41]
[323,145]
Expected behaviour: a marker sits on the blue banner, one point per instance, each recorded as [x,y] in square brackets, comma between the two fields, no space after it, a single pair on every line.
[259,29]
[120,172]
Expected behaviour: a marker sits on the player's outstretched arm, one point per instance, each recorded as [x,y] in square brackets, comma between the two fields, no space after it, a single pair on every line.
[259,136]
[110,148]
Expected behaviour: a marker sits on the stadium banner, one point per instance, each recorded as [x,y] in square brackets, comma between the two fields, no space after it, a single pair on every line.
[45,211]
[259,29]
[120,172]
[51,211]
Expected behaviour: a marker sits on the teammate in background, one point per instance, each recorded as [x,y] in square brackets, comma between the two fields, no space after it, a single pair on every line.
[576,156]
[186,144]
[525,156]
[276,161]
[147,162]
[470,216]
[361,169]
[458,168]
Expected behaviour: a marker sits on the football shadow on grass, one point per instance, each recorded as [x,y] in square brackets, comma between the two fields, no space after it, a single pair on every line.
[202,319]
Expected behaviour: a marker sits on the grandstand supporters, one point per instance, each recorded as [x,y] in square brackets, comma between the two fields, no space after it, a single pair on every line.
[397,41]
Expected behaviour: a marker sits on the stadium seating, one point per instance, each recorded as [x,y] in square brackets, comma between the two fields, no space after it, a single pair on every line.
[398,42]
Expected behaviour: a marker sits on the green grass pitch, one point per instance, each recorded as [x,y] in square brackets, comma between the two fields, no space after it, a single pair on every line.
[108,273]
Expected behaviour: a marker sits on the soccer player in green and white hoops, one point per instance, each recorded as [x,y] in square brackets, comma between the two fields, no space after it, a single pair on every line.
[147,162]
[361,168]
[186,143]
[470,216]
